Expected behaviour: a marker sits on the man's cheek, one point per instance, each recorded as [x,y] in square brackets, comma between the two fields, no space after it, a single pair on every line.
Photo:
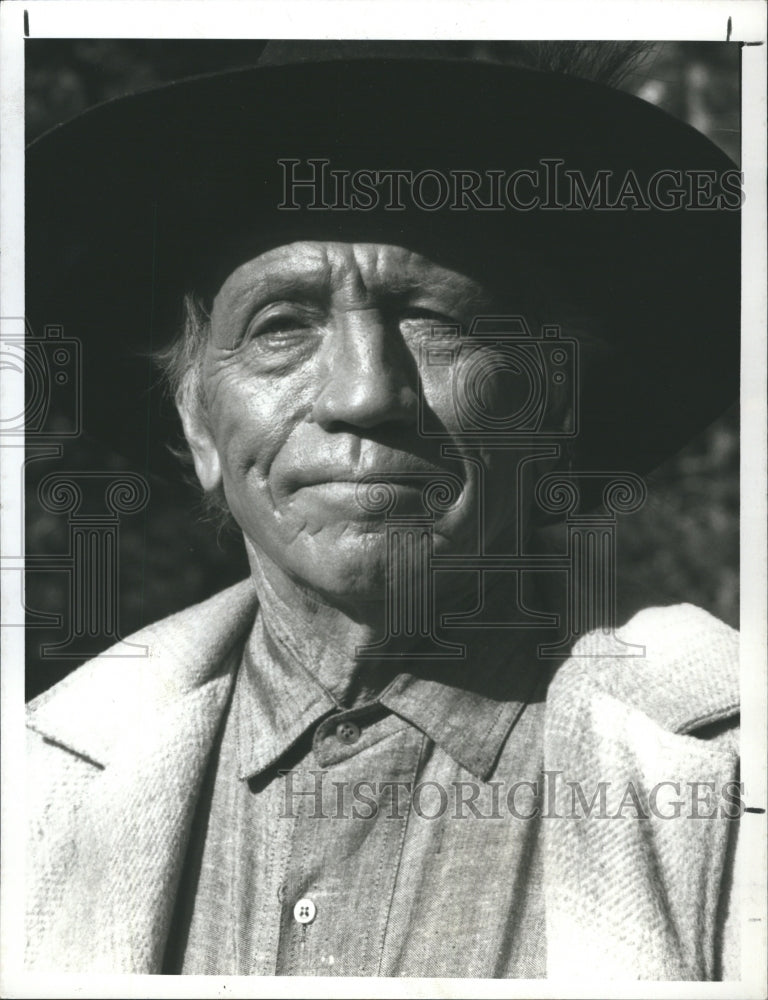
[249,430]
[472,391]
[438,397]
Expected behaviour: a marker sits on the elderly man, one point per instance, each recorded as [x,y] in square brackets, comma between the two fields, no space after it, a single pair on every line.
[367,759]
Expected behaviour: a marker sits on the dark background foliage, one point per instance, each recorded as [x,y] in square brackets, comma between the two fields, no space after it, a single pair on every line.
[682,545]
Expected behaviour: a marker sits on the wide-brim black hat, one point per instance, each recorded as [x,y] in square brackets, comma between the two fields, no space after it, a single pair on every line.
[146,197]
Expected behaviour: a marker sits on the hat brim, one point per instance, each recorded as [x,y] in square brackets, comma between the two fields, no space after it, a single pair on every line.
[134,201]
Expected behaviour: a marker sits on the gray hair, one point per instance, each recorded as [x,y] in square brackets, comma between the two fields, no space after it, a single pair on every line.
[181,364]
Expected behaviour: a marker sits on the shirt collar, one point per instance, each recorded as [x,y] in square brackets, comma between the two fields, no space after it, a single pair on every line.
[467,707]
[276,700]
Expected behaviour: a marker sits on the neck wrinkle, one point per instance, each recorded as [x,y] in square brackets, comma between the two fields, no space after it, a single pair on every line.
[322,641]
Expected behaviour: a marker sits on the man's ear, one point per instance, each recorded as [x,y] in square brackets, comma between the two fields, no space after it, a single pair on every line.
[199,439]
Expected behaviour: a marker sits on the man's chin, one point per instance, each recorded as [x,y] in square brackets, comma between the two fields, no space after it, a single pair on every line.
[353,563]
[364,569]
[350,565]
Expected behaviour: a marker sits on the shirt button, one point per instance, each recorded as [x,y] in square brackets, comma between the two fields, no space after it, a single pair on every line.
[347,732]
[304,911]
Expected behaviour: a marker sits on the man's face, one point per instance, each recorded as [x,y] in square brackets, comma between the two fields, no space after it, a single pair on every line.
[313,378]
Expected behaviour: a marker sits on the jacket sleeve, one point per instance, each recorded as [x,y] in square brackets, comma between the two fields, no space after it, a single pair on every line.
[55,787]
[728,940]
[730,950]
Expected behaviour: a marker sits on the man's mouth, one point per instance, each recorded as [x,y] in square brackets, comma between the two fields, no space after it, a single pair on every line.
[415,474]
[385,489]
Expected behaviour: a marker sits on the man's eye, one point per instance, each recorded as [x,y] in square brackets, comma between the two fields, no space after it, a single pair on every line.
[280,326]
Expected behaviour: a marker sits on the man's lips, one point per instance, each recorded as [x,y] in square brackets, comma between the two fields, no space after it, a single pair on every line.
[416,475]
[371,492]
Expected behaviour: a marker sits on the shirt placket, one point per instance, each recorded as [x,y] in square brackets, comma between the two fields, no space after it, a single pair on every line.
[349,805]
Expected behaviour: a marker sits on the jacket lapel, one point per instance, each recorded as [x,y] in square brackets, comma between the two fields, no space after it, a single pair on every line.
[138,737]
[640,898]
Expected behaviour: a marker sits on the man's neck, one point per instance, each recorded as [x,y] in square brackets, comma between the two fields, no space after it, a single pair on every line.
[328,640]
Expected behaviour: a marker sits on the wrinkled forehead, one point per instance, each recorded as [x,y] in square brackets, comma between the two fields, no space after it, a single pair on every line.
[417,250]
[353,274]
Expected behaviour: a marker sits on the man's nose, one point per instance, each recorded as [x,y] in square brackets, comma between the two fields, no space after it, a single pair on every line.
[370,376]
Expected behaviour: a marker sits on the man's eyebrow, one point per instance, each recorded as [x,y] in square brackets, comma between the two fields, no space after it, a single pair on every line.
[311,277]
[454,286]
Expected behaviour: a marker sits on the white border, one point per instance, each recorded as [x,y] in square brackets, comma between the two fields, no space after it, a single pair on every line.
[654,20]
[12,830]
[754,511]
[693,20]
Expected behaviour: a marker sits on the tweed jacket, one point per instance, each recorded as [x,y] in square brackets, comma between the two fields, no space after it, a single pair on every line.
[118,750]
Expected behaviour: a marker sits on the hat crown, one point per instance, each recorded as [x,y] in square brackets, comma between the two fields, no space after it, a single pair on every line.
[140,200]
